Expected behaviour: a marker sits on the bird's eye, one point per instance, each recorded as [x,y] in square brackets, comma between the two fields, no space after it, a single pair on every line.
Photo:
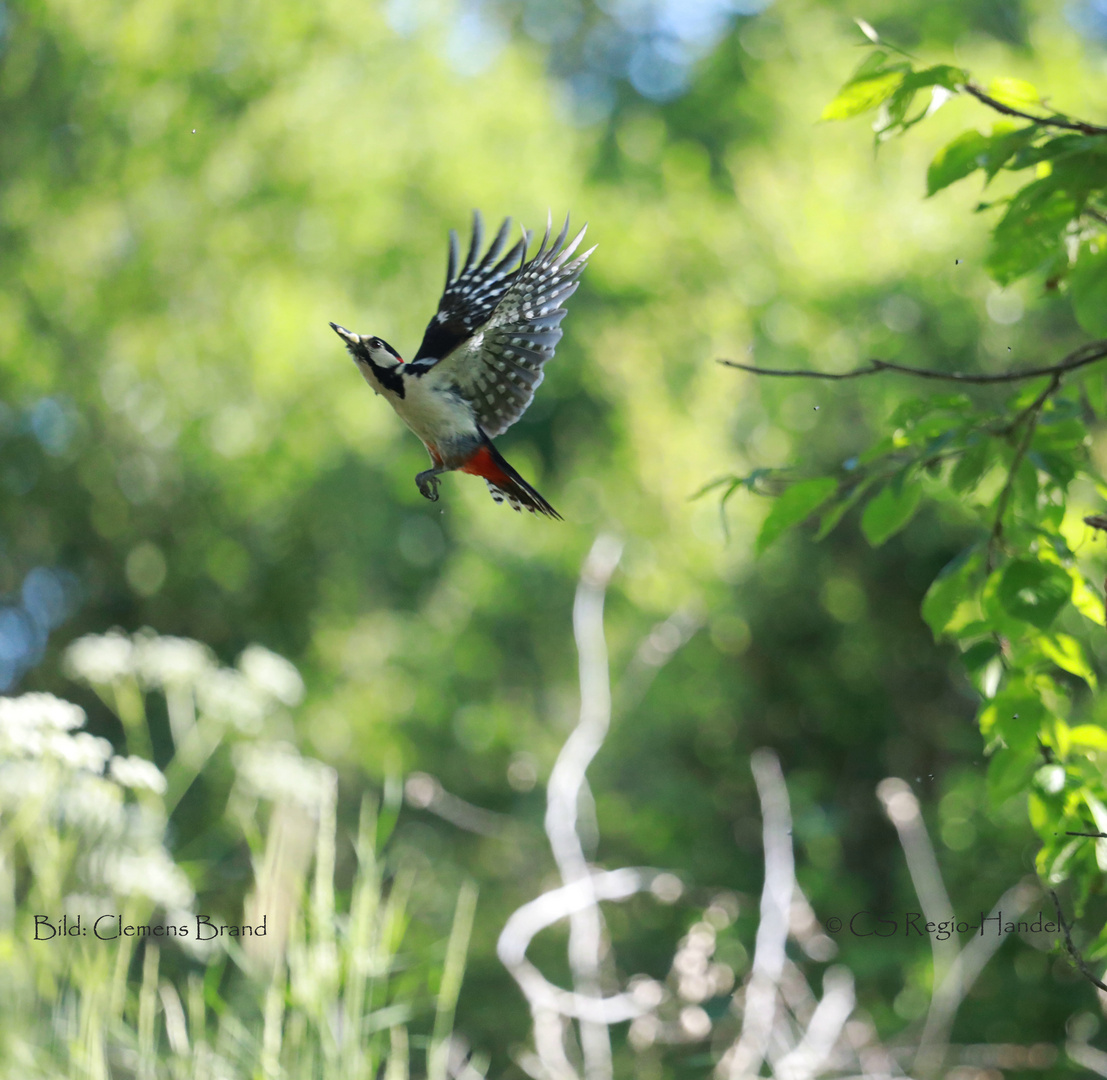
[374,343]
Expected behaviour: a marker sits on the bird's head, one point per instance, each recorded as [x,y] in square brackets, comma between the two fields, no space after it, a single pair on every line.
[365,349]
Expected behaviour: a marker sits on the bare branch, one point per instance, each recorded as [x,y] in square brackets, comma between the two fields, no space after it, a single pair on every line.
[1073,951]
[1078,358]
[1044,121]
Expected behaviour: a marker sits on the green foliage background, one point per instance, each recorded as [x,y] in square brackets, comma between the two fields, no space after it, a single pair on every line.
[188,196]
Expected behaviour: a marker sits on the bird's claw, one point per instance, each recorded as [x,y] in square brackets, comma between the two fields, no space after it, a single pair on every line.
[428,486]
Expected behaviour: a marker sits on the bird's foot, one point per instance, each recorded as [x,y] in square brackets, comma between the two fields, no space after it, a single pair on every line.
[427,483]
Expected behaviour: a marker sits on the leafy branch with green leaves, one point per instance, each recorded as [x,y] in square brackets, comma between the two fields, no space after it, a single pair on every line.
[1019,604]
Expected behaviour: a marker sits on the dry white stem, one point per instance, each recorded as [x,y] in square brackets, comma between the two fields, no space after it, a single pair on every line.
[902,809]
[758,1016]
[963,972]
[1088,1056]
[815,1048]
[568,782]
[550,908]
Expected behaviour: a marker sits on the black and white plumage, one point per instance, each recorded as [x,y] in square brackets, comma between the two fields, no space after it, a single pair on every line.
[482,356]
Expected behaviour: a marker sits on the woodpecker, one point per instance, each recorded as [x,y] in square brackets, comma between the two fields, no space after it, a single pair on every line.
[481,358]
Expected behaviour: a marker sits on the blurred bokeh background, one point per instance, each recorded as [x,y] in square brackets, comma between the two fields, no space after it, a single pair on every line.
[189,194]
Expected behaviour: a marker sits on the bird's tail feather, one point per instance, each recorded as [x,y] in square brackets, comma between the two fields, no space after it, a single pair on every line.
[505,484]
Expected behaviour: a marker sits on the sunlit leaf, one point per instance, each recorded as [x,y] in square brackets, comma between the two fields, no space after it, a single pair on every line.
[1017,93]
[1086,600]
[1099,816]
[872,84]
[1068,654]
[1091,736]
[949,589]
[796,504]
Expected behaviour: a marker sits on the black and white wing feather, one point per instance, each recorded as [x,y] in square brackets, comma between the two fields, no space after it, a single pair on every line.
[500,366]
[471,295]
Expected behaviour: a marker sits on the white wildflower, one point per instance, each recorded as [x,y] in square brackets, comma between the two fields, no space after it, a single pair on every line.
[100,659]
[272,674]
[232,699]
[93,805]
[138,773]
[152,874]
[24,782]
[78,751]
[170,661]
[40,711]
[276,771]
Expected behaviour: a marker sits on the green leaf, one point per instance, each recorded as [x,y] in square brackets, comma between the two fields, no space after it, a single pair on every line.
[1068,654]
[939,75]
[1015,716]
[1031,232]
[949,590]
[796,504]
[890,511]
[1099,816]
[976,656]
[1034,592]
[1010,772]
[1017,93]
[836,512]
[1086,600]
[872,84]
[971,466]
[1005,143]
[1091,736]
[1088,288]
[956,160]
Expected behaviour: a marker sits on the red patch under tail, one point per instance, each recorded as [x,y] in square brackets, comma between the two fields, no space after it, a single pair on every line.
[505,483]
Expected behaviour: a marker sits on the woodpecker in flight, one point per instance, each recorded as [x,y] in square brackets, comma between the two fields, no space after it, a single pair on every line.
[481,359]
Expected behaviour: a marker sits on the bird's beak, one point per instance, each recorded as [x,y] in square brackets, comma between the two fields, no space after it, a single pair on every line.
[342,332]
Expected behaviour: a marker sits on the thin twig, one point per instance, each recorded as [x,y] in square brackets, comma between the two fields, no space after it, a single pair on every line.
[1086,354]
[1096,835]
[1044,121]
[1029,416]
[1072,949]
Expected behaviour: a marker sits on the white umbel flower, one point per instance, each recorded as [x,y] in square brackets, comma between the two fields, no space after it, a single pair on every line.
[170,661]
[233,700]
[152,874]
[38,711]
[138,774]
[100,659]
[272,674]
[276,771]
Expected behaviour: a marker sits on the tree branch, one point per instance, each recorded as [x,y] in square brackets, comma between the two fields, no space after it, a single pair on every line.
[1045,121]
[1078,358]
[1072,949]
[1029,416]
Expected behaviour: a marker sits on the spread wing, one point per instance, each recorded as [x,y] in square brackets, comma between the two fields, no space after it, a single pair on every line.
[471,295]
[500,366]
